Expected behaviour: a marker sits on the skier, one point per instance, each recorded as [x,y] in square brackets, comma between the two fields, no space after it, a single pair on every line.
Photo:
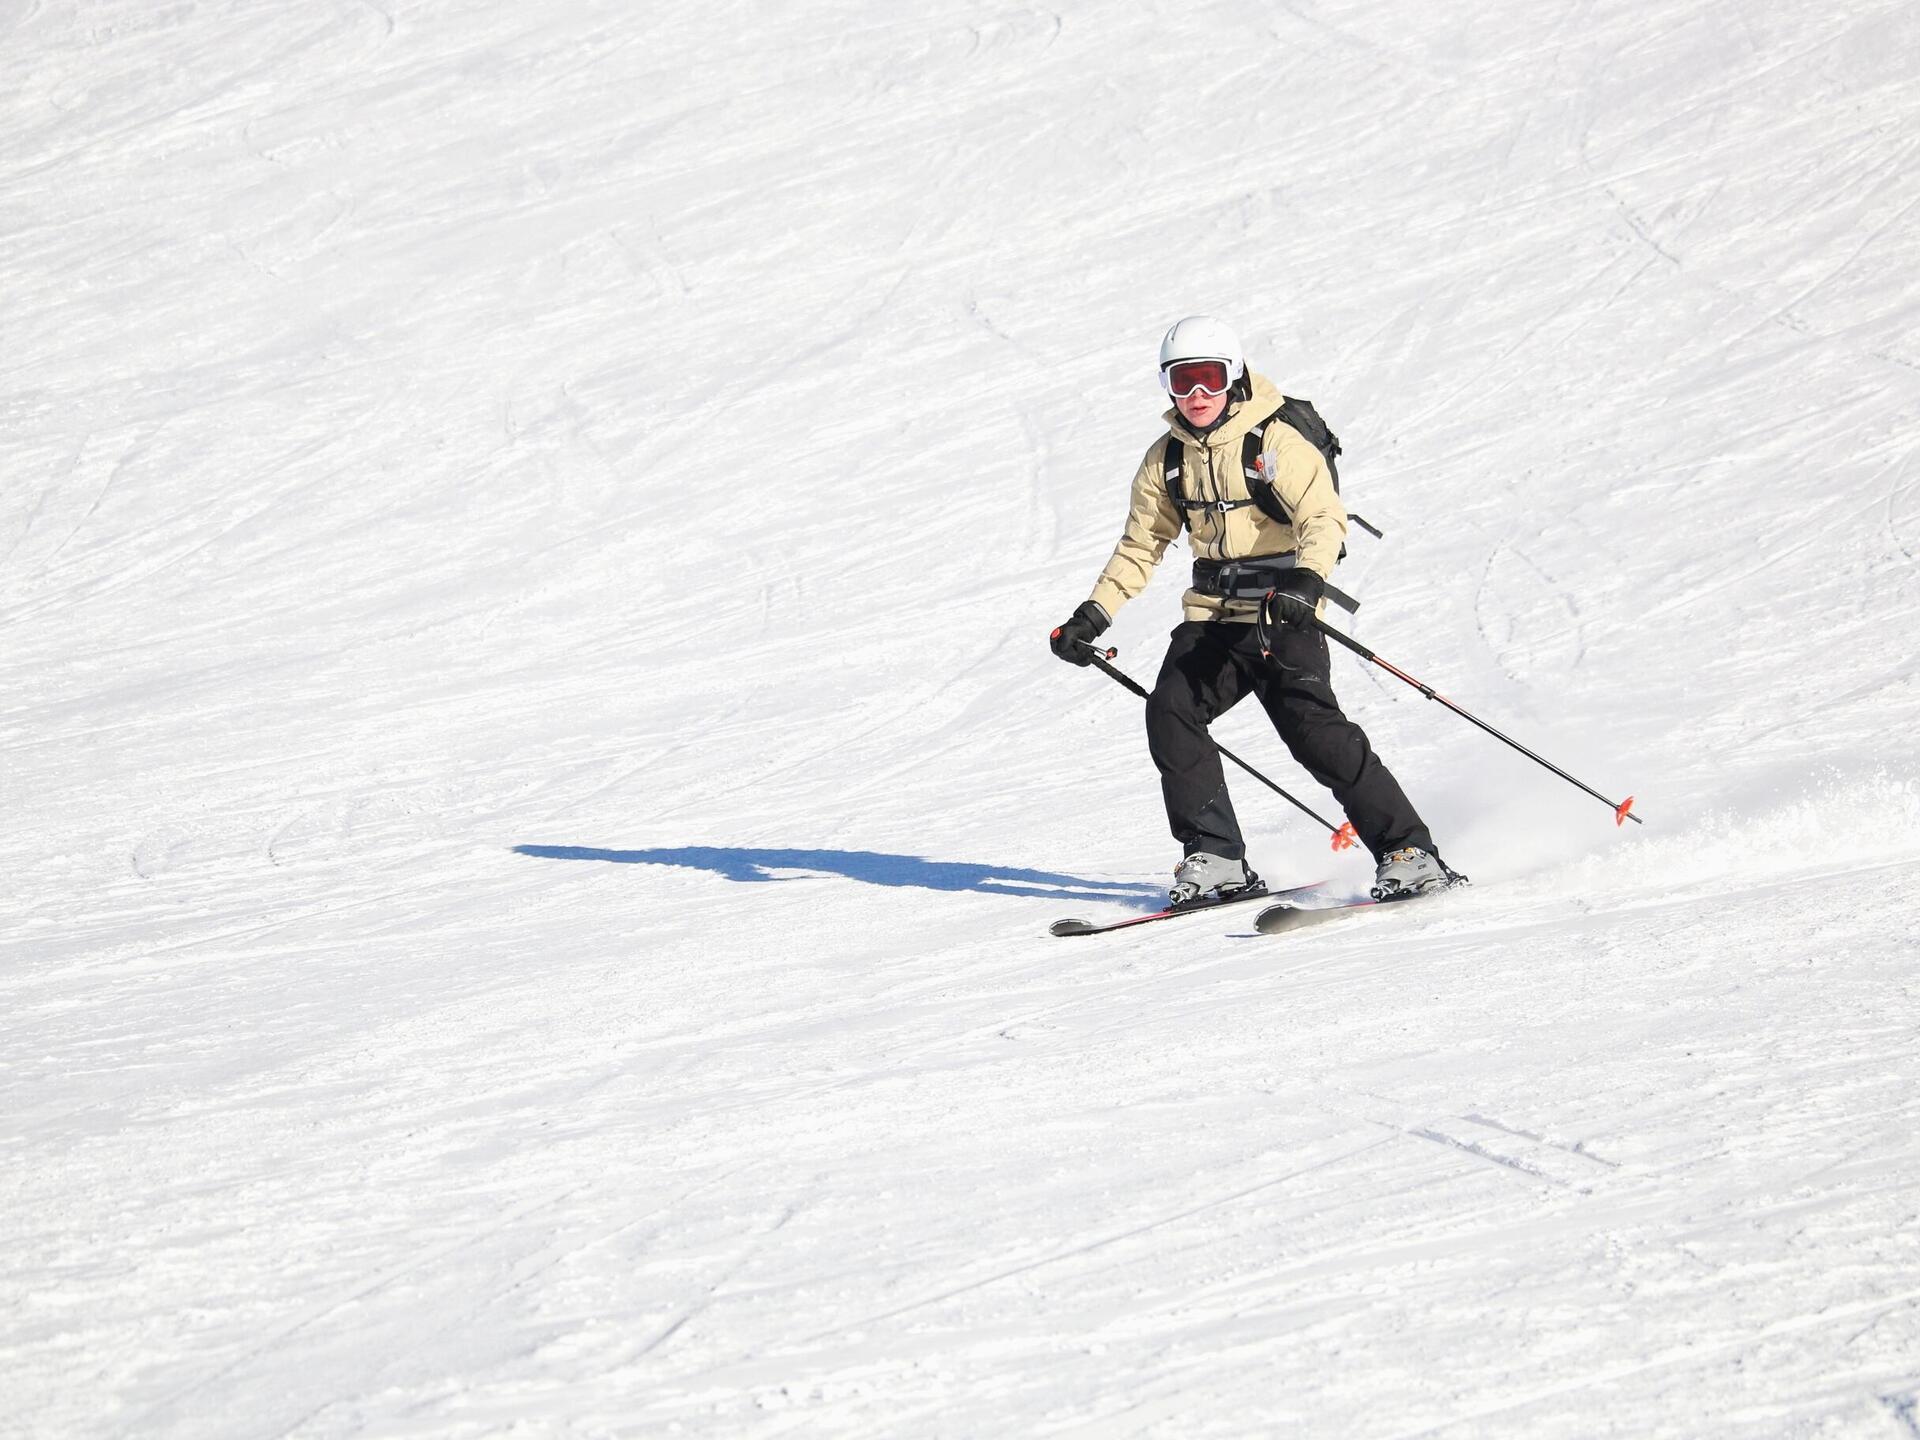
[1241,554]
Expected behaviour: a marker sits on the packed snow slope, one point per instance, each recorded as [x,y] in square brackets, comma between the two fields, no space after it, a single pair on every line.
[534,785]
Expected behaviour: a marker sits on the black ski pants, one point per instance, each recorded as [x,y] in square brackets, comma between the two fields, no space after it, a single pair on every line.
[1210,665]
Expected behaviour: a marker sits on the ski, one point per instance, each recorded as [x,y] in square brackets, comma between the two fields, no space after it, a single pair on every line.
[1286,916]
[1289,914]
[1173,912]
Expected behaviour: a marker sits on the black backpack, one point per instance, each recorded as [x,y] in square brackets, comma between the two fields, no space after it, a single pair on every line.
[1297,413]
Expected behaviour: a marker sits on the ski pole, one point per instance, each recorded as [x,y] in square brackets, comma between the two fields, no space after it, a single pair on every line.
[1622,809]
[1343,835]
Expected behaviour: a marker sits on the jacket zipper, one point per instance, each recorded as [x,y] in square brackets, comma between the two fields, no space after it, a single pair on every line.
[1219,494]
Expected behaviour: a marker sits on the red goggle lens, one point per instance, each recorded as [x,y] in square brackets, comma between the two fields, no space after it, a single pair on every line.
[1183,377]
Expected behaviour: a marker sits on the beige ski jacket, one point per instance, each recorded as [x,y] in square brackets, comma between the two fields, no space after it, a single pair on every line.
[1213,471]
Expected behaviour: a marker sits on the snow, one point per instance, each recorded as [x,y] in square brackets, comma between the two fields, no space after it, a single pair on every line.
[536,787]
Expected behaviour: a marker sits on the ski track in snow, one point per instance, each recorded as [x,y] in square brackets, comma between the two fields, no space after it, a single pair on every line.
[536,787]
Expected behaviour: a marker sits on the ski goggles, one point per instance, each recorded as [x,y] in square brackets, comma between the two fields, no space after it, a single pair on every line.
[1183,377]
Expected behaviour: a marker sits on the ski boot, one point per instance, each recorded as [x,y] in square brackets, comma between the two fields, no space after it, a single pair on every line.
[1208,878]
[1406,873]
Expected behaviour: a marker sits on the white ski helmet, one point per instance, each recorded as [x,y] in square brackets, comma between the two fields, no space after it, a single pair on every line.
[1201,337]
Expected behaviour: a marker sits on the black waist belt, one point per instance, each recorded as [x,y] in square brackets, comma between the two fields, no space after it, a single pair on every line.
[1253,577]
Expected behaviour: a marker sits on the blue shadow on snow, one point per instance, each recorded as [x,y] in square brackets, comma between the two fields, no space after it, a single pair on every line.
[912,871]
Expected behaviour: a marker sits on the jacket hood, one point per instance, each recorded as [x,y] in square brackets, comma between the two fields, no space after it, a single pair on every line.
[1241,416]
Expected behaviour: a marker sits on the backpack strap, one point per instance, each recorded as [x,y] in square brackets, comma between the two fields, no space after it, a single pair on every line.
[1176,464]
[1253,461]
[1253,466]
[1252,578]
[1297,415]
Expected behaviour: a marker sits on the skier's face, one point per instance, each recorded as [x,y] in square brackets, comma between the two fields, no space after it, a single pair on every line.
[1199,408]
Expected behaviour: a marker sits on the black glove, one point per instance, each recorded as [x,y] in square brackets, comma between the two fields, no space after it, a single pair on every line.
[1296,599]
[1070,641]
